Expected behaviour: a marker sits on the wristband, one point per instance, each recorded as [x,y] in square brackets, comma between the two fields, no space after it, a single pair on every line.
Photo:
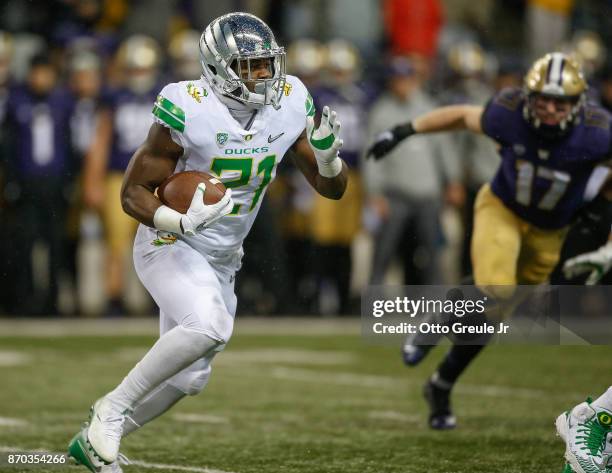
[168,220]
[330,170]
[403,131]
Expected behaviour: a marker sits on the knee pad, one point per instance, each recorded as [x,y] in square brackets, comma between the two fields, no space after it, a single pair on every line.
[210,316]
[193,379]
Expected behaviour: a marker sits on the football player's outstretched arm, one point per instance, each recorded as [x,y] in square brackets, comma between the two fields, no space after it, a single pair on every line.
[315,153]
[153,162]
[451,118]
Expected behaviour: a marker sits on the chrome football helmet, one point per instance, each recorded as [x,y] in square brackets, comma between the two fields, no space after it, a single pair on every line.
[228,45]
[558,76]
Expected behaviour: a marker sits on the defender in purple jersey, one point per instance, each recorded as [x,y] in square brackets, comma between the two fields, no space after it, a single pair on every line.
[554,149]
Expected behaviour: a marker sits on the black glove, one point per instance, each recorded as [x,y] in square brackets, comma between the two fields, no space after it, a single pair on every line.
[387,140]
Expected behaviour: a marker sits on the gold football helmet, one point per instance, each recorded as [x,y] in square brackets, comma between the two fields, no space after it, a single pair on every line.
[139,57]
[466,59]
[559,76]
[306,58]
[184,50]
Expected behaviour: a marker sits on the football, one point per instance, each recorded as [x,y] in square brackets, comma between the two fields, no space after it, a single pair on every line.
[177,190]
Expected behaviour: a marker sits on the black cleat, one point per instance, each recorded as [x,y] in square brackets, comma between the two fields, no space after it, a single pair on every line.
[414,354]
[418,345]
[440,414]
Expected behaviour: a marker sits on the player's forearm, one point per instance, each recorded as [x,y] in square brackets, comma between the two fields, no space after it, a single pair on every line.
[453,117]
[146,171]
[140,203]
[332,187]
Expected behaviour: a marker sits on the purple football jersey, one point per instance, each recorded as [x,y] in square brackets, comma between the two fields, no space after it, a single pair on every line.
[131,115]
[38,128]
[545,182]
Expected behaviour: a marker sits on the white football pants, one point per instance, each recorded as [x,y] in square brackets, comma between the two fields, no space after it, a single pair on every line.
[191,290]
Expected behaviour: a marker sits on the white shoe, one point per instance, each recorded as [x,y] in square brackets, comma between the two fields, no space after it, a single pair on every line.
[587,433]
[105,430]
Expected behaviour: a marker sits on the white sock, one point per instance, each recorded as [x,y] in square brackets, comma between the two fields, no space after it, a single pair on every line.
[174,351]
[604,401]
[154,404]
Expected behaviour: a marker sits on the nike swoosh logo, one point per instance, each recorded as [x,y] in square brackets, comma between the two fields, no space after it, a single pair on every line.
[272,139]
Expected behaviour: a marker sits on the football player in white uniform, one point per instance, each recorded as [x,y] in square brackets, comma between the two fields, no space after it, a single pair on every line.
[587,432]
[237,122]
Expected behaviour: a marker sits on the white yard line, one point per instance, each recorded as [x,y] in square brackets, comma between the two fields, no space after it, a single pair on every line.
[394,415]
[166,467]
[13,358]
[12,422]
[152,466]
[200,418]
[286,356]
[379,381]
[149,326]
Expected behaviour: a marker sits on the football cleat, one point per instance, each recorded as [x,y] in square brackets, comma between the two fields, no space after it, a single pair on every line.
[105,429]
[418,345]
[587,432]
[414,354]
[440,414]
[567,468]
[80,450]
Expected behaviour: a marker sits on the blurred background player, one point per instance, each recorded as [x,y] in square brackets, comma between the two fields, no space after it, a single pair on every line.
[468,80]
[183,53]
[7,301]
[306,58]
[39,175]
[553,146]
[334,225]
[406,191]
[85,83]
[123,125]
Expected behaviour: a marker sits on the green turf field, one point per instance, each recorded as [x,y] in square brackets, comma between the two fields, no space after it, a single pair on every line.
[304,404]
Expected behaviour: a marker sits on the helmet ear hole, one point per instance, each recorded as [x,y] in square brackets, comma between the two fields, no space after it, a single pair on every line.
[213,69]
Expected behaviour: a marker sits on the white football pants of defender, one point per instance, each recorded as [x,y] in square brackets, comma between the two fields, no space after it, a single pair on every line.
[193,292]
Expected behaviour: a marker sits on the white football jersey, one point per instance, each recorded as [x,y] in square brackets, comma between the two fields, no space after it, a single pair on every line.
[244,160]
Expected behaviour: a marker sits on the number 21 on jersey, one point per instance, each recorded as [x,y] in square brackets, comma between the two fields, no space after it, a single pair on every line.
[245,167]
[527,172]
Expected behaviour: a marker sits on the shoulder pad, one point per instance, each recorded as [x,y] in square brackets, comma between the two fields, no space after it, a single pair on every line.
[167,108]
[509,98]
[596,117]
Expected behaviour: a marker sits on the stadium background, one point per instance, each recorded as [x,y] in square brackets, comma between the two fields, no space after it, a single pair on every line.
[304,256]
[289,394]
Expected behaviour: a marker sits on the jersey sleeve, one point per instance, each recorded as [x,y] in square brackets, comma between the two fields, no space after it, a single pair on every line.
[168,111]
[501,114]
[299,100]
